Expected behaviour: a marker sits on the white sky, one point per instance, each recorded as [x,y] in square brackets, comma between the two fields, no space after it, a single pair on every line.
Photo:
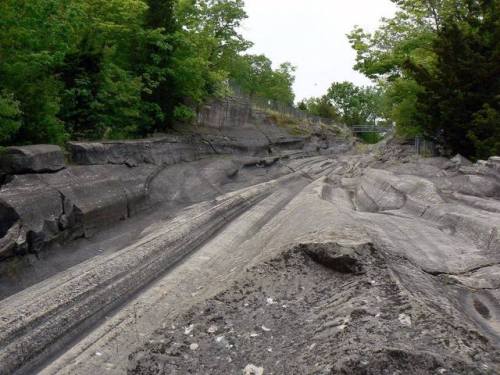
[311,34]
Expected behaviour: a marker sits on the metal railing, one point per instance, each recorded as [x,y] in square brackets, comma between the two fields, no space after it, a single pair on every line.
[267,105]
[424,147]
[368,129]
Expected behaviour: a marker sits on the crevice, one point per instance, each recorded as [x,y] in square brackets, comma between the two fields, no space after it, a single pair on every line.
[370,198]
[204,140]
[9,217]
[287,166]
[482,309]
[152,176]
[465,273]
[425,211]
[493,236]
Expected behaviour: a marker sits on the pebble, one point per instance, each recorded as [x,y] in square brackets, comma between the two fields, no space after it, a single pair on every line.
[189,329]
[405,320]
[253,370]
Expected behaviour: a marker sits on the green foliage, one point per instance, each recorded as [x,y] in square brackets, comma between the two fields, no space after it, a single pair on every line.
[485,132]
[10,117]
[205,47]
[460,101]
[184,114]
[383,55]
[117,106]
[399,103]
[320,107]
[347,103]
[438,64]
[356,105]
[255,75]
[370,138]
[92,69]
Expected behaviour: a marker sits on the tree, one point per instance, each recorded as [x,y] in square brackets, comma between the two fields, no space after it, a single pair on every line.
[10,117]
[460,101]
[356,105]
[93,69]
[61,58]
[319,107]
[256,76]
[437,62]
[382,56]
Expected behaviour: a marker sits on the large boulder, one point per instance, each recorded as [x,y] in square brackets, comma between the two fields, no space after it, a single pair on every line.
[9,229]
[33,205]
[37,209]
[31,159]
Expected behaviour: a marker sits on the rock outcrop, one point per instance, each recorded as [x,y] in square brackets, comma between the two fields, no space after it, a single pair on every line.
[31,159]
[111,181]
[354,263]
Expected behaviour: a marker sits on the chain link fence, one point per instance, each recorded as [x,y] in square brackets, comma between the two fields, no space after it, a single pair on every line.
[262,104]
[424,147]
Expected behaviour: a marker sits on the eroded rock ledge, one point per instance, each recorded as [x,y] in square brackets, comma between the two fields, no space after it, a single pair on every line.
[108,182]
[361,248]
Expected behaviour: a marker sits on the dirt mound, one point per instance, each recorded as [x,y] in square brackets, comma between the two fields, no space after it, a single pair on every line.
[310,311]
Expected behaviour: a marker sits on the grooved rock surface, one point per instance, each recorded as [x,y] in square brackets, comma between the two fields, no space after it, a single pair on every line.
[297,314]
[116,180]
[161,151]
[302,261]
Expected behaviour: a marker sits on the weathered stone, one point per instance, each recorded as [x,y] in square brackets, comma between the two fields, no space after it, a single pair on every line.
[97,196]
[494,163]
[32,159]
[158,151]
[458,160]
[343,259]
[85,294]
[396,241]
[481,185]
[37,207]
[71,203]
[9,230]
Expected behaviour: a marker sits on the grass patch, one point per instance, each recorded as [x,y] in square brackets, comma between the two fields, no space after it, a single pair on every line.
[281,119]
[370,138]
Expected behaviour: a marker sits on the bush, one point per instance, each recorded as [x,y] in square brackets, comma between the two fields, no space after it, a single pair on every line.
[184,114]
[485,132]
[10,117]
[370,138]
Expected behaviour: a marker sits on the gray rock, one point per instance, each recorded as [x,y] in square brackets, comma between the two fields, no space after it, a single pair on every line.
[74,202]
[9,230]
[343,259]
[32,159]
[494,163]
[84,294]
[459,160]
[158,151]
[38,208]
